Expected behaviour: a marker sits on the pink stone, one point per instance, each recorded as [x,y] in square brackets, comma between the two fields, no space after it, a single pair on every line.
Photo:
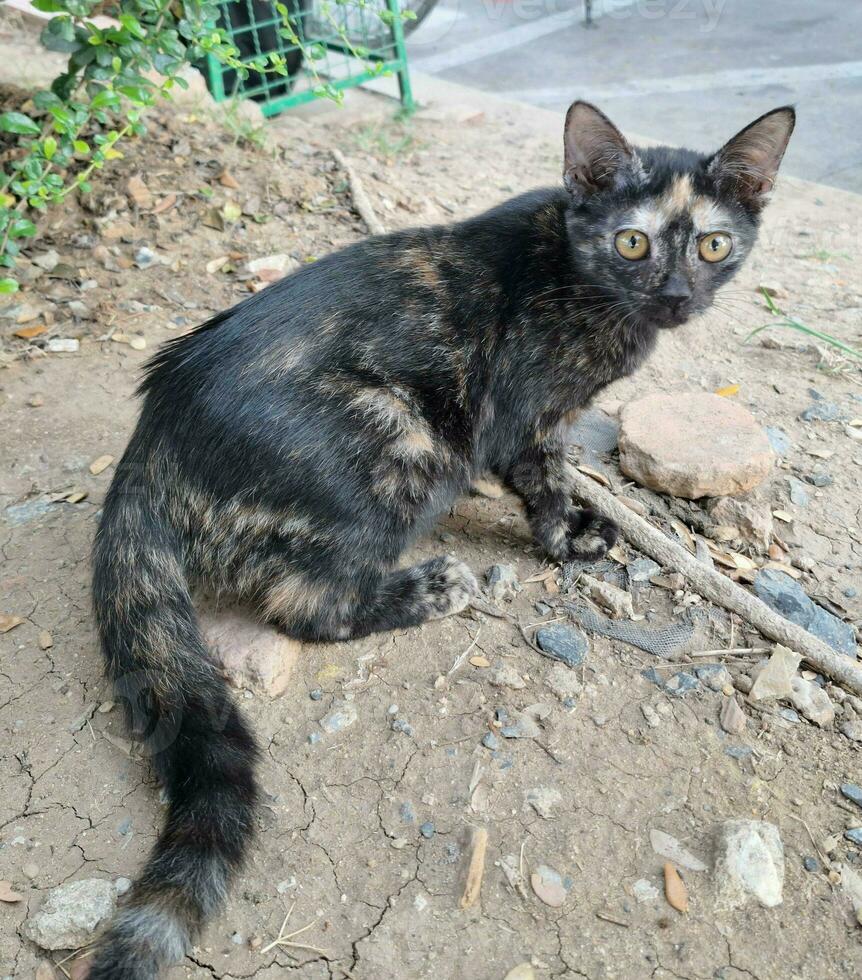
[693,445]
[253,656]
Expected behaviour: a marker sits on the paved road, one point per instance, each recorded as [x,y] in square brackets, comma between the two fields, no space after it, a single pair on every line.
[684,71]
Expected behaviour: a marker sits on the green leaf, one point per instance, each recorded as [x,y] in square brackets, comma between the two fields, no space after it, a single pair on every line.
[22,228]
[47,6]
[49,147]
[8,286]
[17,122]
[81,146]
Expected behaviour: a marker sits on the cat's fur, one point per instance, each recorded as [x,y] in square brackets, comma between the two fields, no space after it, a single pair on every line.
[291,448]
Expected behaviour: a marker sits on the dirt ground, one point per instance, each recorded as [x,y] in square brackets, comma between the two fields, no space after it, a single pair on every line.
[365,832]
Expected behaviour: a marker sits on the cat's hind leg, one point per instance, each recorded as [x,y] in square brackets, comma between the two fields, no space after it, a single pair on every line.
[375,601]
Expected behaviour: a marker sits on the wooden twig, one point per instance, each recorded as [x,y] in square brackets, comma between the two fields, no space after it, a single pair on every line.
[361,202]
[715,587]
[476,870]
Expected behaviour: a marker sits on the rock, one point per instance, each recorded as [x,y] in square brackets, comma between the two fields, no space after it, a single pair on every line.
[63,345]
[47,261]
[279,264]
[253,656]
[144,257]
[852,730]
[786,596]
[714,676]
[749,863]
[505,676]
[563,643]
[821,412]
[44,971]
[543,799]
[30,870]
[811,865]
[653,719]
[732,718]
[427,830]
[525,724]
[693,445]
[71,914]
[523,971]
[754,521]
[854,834]
[563,682]
[548,886]
[669,847]
[614,600]
[138,192]
[503,582]
[789,715]
[812,702]
[743,683]
[774,680]
[851,885]
[798,494]
[681,683]
[644,891]
[852,792]
[490,741]
[640,570]
[779,440]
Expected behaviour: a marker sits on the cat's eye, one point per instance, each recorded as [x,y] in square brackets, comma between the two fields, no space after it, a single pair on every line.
[715,246]
[632,244]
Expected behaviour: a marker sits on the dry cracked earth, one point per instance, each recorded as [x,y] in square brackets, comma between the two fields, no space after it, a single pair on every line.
[366,831]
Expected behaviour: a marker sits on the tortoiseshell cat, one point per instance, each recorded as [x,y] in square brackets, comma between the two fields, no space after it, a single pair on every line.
[290,449]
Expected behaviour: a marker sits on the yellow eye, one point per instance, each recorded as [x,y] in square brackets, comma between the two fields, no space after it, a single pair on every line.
[715,246]
[632,244]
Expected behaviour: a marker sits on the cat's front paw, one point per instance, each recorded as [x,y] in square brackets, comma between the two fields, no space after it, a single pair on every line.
[448,586]
[590,536]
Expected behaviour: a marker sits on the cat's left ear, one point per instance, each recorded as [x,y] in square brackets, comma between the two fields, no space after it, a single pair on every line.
[746,166]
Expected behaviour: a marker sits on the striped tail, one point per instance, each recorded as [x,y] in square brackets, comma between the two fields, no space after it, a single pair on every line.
[200,746]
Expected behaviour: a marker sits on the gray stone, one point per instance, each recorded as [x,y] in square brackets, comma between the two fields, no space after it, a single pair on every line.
[614,600]
[788,714]
[811,864]
[854,834]
[749,864]
[751,516]
[342,716]
[775,678]
[798,494]
[681,683]
[669,847]
[812,702]
[71,914]
[714,676]
[30,511]
[821,412]
[779,440]
[427,830]
[852,792]
[641,569]
[563,643]
[522,726]
[503,582]
[490,741]
[786,596]
[819,478]
[564,683]
[504,675]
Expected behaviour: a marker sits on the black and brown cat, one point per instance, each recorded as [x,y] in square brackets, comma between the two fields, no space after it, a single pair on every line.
[289,450]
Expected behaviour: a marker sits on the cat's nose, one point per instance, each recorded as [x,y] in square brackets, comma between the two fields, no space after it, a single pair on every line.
[675,292]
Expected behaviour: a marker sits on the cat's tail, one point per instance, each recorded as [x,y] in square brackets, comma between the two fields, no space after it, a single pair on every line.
[178,704]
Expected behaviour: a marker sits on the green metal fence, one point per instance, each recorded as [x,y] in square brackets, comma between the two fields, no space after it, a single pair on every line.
[342,43]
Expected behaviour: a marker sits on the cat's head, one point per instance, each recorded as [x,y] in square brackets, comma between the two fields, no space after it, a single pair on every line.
[657,231]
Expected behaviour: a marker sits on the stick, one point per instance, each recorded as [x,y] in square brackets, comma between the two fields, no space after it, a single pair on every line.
[361,203]
[718,588]
[476,870]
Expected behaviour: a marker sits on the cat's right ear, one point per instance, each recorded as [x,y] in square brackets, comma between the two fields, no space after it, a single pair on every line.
[597,155]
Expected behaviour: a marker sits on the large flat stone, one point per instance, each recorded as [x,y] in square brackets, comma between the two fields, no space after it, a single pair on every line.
[254,656]
[693,445]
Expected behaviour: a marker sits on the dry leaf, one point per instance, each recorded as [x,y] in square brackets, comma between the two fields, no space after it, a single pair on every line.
[76,496]
[165,204]
[215,264]
[541,576]
[480,661]
[101,464]
[618,555]
[28,333]
[728,391]
[8,622]
[595,475]
[139,192]
[6,893]
[674,889]
[742,561]
[684,535]
[782,566]
[226,180]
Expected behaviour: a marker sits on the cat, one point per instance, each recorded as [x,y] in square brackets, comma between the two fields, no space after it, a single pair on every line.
[291,448]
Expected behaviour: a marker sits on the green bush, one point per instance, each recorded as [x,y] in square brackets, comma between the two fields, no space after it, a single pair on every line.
[100,98]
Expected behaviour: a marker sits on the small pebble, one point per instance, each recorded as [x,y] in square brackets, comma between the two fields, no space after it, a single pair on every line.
[854,834]
[316,694]
[811,864]
[30,871]
[427,830]
[852,792]
[490,741]
[314,738]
